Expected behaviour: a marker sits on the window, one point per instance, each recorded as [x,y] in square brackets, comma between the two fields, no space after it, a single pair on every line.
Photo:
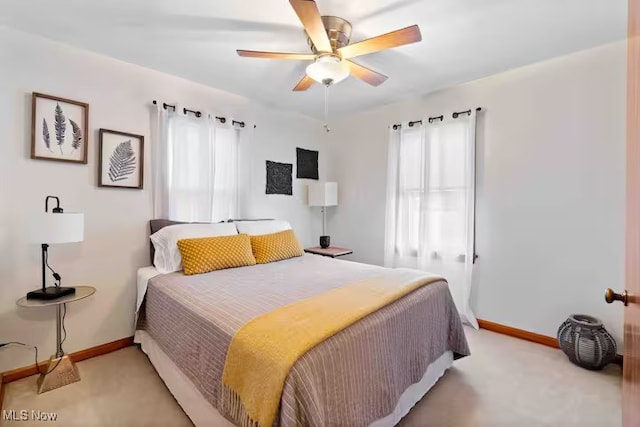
[196,170]
[431,202]
[448,190]
[411,191]
[433,189]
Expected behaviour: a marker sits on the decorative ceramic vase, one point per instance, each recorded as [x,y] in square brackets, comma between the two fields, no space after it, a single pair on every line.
[586,342]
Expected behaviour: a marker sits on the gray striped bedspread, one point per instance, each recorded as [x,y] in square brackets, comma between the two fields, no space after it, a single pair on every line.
[351,379]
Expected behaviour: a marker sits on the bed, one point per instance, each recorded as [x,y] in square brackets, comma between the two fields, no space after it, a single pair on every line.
[370,373]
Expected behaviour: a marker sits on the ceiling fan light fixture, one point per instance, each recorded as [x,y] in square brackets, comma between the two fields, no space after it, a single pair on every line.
[328,70]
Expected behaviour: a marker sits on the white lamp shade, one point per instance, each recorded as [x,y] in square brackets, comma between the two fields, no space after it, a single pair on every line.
[51,228]
[323,194]
[328,69]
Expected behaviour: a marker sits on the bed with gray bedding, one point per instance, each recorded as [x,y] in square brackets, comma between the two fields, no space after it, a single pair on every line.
[351,379]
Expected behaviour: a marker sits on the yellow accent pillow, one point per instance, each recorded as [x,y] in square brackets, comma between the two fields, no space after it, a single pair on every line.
[275,247]
[206,254]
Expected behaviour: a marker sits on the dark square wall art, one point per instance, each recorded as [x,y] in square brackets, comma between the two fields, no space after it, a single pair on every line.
[307,163]
[279,178]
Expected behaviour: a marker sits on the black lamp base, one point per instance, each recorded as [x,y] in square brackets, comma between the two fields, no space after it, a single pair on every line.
[325,241]
[50,293]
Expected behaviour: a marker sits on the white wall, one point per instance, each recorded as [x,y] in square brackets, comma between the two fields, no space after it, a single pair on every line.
[116,242]
[276,140]
[550,188]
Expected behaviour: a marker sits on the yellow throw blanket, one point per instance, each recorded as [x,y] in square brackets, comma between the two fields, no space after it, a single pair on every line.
[264,350]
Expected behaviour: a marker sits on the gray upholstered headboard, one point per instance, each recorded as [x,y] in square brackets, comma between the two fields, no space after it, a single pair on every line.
[159,224]
[156,225]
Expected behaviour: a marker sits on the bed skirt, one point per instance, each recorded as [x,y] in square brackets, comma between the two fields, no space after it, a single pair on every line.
[202,413]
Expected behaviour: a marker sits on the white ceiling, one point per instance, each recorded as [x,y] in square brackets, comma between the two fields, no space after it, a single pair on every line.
[462,40]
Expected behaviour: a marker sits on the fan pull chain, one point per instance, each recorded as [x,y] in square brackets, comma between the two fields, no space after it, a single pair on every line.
[326,108]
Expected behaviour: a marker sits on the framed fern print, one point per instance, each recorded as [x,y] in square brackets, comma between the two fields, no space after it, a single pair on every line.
[121,161]
[59,129]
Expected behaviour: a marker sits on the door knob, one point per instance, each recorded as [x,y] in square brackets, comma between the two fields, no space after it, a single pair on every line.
[610,296]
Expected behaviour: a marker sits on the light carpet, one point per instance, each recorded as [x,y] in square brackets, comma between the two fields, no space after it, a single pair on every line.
[505,382]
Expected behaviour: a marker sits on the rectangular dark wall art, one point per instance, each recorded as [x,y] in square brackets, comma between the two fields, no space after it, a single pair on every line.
[307,163]
[279,178]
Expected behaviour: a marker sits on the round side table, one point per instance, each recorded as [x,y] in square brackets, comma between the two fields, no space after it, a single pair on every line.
[61,370]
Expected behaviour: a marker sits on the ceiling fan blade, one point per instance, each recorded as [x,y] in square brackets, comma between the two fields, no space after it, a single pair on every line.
[308,13]
[304,84]
[366,74]
[386,41]
[276,55]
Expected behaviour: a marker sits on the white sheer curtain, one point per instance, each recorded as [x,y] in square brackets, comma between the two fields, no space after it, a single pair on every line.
[195,168]
[431,203]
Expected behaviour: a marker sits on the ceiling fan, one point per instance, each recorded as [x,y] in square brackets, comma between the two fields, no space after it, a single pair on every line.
[328,38]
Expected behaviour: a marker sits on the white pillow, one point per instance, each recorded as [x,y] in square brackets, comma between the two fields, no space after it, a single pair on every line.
[167,257]
[256,228]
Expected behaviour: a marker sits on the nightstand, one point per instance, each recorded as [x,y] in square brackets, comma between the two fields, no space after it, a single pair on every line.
[331,251]
[61,370]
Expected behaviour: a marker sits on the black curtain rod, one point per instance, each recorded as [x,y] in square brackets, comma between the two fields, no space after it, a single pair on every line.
[441,117]
[468,112]
[165,105]
[199,114]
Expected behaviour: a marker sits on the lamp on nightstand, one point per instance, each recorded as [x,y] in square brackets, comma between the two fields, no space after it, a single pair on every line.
[323,194]
[52,228]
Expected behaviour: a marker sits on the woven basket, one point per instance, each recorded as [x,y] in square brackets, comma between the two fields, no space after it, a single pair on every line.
[586,342]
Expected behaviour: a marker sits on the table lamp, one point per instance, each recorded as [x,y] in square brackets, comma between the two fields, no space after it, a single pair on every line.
[323,194]
[53,228]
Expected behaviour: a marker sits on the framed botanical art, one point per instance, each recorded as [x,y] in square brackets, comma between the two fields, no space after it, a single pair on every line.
[121,162]
[59,129]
